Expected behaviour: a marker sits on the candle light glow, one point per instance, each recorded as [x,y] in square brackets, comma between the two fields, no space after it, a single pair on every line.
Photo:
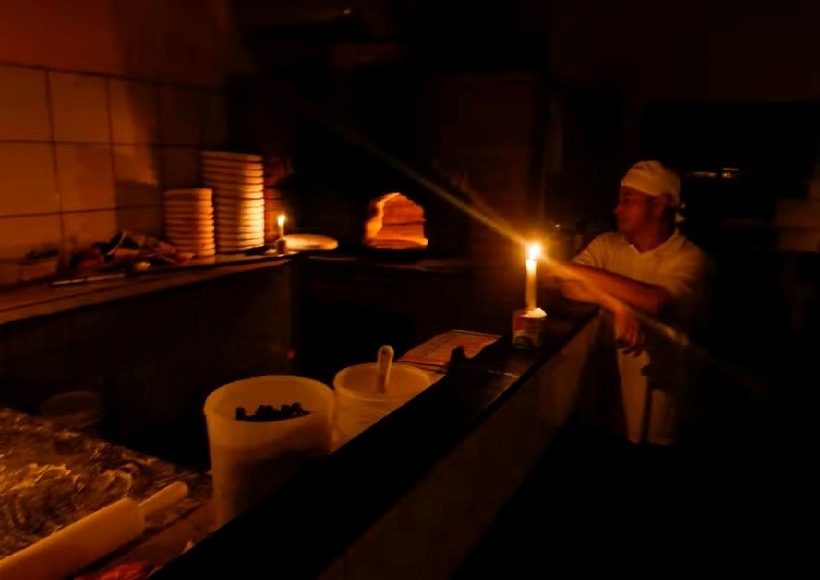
[281,222]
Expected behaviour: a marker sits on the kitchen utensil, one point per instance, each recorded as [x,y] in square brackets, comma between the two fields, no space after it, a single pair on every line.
[82,543]
[385,362]
[88,279]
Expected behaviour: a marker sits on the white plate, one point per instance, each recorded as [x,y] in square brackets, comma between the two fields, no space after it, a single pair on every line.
[252,175]
[227,194]
[190,205]
[232,189]
[239,202]
[297,242]
[239,232]
[233,170]
[229,222]
[222,180]
[188,193]
[253,216]
[191,237]
[231,156]
[183,212]
[396,244]
[189,222]
[226,163]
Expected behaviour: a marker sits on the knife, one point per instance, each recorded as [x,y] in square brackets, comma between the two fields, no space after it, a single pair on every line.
[88,279]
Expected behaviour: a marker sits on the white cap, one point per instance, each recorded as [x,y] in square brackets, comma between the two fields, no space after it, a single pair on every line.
[652,178]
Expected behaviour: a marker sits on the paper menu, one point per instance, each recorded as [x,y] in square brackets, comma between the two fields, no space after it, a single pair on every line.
[435,353]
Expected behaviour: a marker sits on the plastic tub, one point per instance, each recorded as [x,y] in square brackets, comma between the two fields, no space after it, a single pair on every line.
[250,460]
[359,405]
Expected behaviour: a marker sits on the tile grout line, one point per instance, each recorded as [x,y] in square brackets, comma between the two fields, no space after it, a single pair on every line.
[113,75]
[75,211]
[160,147]
[50,104]
[111,152]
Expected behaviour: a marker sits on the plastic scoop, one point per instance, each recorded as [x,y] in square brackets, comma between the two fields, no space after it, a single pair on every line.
[82,543]
[385,363]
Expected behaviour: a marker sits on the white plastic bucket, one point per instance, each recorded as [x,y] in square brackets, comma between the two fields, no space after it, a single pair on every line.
[359,405]
[249,459]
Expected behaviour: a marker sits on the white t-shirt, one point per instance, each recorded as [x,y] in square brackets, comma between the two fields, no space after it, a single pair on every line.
[678,266]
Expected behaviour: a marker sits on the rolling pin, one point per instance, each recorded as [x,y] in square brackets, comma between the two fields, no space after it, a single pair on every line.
[82,543]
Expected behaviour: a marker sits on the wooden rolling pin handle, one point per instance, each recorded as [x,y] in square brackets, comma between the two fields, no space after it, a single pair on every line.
[164,498]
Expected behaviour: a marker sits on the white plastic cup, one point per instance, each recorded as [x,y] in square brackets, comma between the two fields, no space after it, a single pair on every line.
[358,402]
[249,459]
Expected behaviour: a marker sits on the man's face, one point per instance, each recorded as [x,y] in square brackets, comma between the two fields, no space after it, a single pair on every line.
[635,211]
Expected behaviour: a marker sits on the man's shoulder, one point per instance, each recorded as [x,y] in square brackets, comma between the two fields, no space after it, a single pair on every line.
[691,249]
[688,255]
[610,240]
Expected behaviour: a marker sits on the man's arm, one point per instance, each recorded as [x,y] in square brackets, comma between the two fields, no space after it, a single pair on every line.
[629,334]
[599,286]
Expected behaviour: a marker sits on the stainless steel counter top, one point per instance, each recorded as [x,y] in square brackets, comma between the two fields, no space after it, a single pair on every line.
[51,477]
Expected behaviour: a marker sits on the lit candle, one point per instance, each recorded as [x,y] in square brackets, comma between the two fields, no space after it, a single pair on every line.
[281,221]
[533,252]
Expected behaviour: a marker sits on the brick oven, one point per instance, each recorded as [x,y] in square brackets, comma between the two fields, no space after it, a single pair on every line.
[385,131]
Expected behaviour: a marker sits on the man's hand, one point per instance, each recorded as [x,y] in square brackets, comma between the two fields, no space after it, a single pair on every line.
[629,334]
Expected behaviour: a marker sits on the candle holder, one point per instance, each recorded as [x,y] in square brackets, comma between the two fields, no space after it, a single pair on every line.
[529,328]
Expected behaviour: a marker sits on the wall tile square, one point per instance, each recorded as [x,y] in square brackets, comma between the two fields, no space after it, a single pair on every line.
[85,176]
[80,108]
[180,116]
[137,175]
[141,220]
[86,227]
[180,167]
[24,112]
[27,179]
[214,119]
[134,112]
[19,235]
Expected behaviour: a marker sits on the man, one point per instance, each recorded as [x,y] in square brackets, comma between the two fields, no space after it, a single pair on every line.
[649,277]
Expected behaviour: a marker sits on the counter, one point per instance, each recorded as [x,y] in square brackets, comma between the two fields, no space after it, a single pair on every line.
[439,467]
[410,496]
[51,477]
[32,300]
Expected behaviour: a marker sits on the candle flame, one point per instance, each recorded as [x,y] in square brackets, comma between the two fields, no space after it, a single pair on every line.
[533,251]
[281,220]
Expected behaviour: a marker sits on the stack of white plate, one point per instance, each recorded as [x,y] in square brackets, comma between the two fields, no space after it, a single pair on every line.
[239,205]
[189,220]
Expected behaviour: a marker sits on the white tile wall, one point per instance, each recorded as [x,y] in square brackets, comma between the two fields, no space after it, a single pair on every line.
[85,227]
[19,235]
[214,119]
[137,170]
[146,220]
[85,176]
[180,116]
[27,179]
[24,114]
[180,167]
[83,155]
[80,107]
[134,112]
